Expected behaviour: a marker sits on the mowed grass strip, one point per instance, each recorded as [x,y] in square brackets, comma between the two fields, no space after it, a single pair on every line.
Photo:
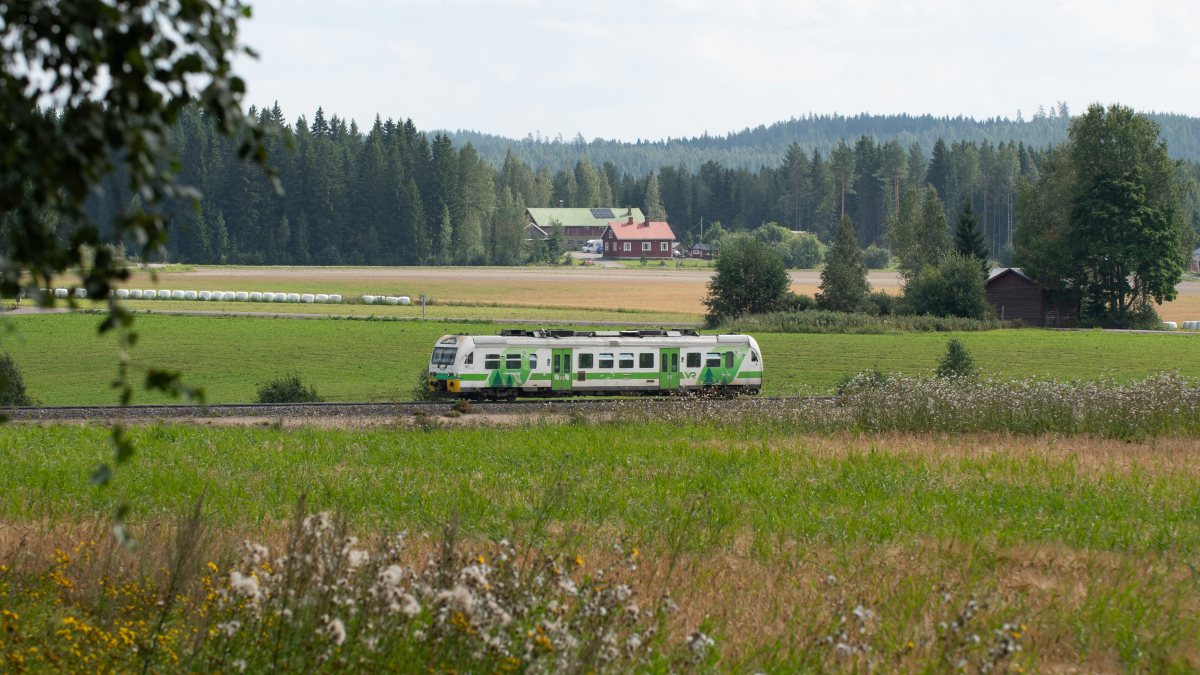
[646,481]
[66,363]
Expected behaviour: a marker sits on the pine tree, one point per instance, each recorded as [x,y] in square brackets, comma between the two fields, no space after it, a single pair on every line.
[300,253]
[654,208]
[844,284]
[968,240]
[841,160]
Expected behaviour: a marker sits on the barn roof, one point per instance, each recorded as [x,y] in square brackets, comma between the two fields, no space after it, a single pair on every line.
[641,230]
[998,272]
[581,217]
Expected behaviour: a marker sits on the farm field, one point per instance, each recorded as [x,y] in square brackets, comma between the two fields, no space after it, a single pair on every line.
[795,552]
[659,290]
[65,363]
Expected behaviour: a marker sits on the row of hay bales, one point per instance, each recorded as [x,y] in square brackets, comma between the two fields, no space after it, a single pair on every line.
[1188,325]
[227,296]
[386,300]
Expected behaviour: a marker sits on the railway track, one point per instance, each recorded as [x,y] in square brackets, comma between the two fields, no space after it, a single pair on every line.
[315,410]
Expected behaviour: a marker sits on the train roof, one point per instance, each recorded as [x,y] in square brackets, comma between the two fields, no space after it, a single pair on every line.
[625,337]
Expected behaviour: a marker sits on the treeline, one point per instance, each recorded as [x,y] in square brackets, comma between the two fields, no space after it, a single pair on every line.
[390,195]
[767,145]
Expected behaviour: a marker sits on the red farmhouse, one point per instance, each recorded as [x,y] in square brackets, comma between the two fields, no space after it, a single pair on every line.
[630,239]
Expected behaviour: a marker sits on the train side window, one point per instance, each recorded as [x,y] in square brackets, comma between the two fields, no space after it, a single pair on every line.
[693,360]
[606,361]
[674,363]
[664,364]
[728,359]
[470,359]
[626,361]
[712,360]
[512,361]
[533,361]
[491,361]
[646,361]
[753,356]
[585,361]
[557,363]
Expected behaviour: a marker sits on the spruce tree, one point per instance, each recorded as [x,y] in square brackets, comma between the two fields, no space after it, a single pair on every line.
[968,240]
[654,207]
[445,236]
[844,284]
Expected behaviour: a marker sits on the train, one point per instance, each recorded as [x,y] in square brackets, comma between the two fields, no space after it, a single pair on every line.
[559,363]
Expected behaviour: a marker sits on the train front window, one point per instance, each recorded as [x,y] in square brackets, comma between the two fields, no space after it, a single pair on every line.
[443,356]
[712,360]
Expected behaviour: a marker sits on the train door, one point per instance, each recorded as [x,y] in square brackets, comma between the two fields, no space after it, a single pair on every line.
[560,369]
[668,369]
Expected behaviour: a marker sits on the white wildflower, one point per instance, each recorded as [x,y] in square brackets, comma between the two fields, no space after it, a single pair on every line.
[245,585]
[460,600]
[230,628]
[239,665]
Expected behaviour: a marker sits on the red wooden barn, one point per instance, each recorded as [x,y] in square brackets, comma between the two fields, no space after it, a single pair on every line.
[1016,296]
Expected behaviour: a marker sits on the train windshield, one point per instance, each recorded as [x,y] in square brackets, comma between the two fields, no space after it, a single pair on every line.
[443,356]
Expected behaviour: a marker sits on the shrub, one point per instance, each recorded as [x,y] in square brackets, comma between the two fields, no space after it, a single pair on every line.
[287,389]
[881,303]
[12,383]
[807,251]
[750,279]
[876,258]
[420,390]
[957,362]
[953,288]
[798,303]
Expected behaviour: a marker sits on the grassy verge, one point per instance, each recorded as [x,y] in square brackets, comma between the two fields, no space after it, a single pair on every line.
[65,362]
[883,552]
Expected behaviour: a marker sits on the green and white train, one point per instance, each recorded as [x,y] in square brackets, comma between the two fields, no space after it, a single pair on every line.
[550,363]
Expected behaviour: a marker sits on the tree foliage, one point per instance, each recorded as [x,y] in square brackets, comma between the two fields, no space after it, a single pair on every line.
[957,361]
[952,288]
[844,280]
[968,240]
[919,235]
[1107,221]
[750,279]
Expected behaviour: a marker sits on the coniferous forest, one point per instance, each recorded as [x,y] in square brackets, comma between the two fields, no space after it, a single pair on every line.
[393,195]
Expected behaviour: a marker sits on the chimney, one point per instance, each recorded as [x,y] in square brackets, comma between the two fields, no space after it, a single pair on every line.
[647,223]
[631,219]
[629,210]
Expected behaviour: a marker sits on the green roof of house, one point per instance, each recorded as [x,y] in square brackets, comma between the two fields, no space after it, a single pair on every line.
[582,217]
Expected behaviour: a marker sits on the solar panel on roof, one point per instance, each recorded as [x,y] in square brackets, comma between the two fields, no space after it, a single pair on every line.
[602,213]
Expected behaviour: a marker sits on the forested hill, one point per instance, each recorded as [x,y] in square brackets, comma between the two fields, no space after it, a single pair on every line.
[766,145]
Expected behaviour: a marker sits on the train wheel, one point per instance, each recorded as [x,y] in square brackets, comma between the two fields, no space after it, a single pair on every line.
[510,396]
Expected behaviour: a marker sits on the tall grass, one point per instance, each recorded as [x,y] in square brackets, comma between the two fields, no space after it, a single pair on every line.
[818,321]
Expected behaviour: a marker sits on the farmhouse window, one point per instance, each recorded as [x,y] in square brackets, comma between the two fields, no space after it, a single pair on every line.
[606,361]
[628,247]
[491,361]
[645,246]
[712,360]
[646,361]
[693,360]
[626,361]
[585,361]
[662,246]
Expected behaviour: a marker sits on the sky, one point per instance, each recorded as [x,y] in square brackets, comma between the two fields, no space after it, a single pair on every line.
[652,69]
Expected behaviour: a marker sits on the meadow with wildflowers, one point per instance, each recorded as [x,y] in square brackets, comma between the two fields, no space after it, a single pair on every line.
[914,525]
[64,363]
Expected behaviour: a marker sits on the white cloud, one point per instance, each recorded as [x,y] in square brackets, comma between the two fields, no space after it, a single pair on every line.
[650,69]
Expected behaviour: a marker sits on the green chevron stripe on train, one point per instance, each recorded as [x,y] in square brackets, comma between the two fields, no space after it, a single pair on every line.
[554,363]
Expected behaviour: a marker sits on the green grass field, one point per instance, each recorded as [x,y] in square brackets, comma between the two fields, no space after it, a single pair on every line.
[1081,546]
[66,363]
